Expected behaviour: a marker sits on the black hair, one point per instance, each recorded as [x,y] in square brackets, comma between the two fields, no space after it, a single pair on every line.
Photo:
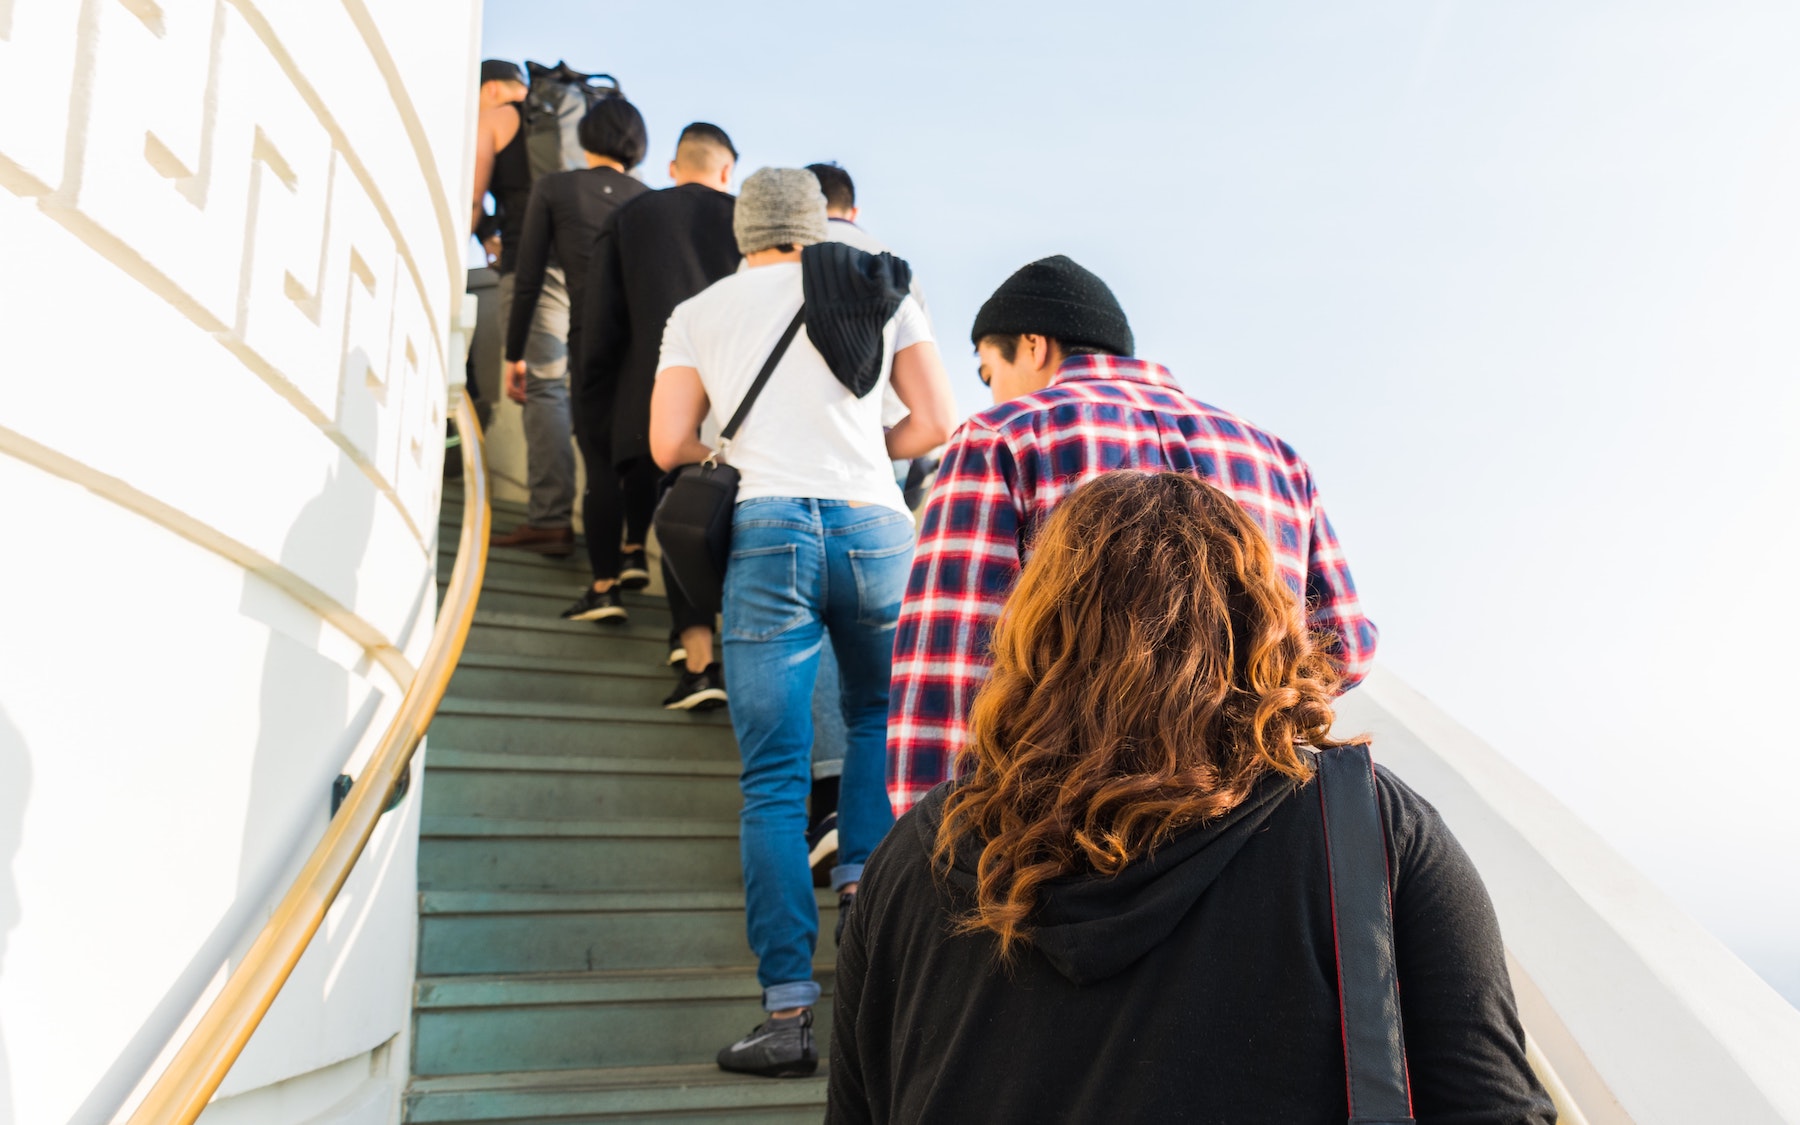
[707,133]
[615,128]
[1008,346]
[840,191]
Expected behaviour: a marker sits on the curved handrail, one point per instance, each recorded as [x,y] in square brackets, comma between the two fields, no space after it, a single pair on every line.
[188,1083]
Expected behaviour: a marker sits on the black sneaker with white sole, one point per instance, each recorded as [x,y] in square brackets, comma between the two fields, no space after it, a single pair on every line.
[597,605]
[634,570]
[778,1048]
[697,691]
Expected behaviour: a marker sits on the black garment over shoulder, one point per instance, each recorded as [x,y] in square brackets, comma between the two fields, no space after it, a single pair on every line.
[1199,985]
[654,253]
[510,185]
[562,223]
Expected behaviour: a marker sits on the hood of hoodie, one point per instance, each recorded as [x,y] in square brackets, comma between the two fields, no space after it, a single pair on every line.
[850,296]
[1091,927]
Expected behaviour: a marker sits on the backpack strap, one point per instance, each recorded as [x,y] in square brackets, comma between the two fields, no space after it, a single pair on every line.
[762,378]
[1362,927]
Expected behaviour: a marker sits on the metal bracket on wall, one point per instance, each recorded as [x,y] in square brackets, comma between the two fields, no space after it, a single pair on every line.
[340,789]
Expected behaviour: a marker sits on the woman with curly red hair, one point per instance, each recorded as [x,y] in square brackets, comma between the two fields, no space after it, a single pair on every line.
[1122,911]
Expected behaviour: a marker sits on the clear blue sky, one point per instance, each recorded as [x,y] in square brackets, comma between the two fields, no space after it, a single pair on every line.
[1521,281]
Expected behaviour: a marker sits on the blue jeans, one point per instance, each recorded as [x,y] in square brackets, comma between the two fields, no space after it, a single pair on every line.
[801,569]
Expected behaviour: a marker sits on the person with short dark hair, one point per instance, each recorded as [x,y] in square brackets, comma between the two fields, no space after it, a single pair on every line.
[562,225]
[1123,912]
[654,253]
[829,734]
[1071,404]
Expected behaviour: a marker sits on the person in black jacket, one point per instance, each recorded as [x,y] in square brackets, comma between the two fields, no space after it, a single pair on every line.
[654,253]
[1121,912]
[562,225]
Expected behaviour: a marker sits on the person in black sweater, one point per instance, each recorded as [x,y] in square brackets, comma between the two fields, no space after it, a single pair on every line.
[1121,913]
[562,225]
[654,253]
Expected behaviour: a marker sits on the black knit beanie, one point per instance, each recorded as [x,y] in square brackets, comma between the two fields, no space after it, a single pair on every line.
[1054,297]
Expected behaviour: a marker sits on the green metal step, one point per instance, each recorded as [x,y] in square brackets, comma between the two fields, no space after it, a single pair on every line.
[575,729]
[548,600]
[666,1095]
[482,784]
[544,635]
[573,1021]
[490,853]
[496,932]
[553,679]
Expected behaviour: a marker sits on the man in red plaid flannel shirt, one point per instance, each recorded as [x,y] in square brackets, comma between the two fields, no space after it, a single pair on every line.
[1053,343]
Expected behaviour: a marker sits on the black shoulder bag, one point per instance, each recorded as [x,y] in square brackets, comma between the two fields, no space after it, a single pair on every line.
[693,521]
[1362,925]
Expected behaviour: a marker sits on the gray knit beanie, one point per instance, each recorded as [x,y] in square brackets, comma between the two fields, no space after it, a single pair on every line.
[779,206]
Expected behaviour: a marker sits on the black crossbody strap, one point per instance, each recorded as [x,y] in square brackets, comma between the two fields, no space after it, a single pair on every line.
[762,377]
[1362,923]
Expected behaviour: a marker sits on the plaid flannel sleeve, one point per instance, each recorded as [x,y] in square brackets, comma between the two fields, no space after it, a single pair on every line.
[1331,602]
[965,566]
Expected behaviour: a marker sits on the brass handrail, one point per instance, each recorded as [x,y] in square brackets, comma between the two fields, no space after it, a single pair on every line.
[188,1083]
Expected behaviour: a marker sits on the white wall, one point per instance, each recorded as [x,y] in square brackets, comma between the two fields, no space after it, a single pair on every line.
[234,235]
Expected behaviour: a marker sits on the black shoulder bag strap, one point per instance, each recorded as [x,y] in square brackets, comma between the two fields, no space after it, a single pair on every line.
[1362,923]
[762,379]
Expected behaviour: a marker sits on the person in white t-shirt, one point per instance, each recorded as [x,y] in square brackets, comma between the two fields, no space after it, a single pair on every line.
[821,543]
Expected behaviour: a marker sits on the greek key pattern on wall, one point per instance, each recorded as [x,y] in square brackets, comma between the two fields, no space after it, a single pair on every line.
[196,155]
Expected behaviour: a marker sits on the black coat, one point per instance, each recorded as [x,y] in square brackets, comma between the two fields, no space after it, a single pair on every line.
[654,253]
[1199,985]
[562,223]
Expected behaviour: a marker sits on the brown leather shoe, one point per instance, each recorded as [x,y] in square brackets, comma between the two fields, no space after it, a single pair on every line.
[557,542]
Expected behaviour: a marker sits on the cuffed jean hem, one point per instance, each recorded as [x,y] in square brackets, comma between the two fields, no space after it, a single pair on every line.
[845,874]
[794,994]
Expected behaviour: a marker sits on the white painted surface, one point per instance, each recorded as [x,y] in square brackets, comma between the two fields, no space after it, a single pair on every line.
[1646,1015]
[234,232]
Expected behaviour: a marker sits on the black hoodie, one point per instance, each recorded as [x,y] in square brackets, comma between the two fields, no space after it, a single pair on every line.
[1199,985]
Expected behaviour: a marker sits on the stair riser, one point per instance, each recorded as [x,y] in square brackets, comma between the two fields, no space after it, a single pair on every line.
[689,741]
[551,605]
[769,1115]
[495,1111]
[511,567]
[572,1036]
[579,796]
[554,943]
[647,648]
[540,686]
[578,864]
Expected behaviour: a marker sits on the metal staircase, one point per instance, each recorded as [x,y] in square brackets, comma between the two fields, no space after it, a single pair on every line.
[581,926]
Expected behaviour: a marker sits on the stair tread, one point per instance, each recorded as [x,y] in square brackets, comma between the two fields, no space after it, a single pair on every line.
[445,758]
[588,902]
[547,589]
[464,826]
[617,986]
[494,619]
[619,1077]
[632,1091]
[592,712]
[566,665]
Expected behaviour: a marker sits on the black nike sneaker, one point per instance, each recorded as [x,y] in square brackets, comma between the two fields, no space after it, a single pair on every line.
[634,570]
[778,1048]
[698,691]
[597,605]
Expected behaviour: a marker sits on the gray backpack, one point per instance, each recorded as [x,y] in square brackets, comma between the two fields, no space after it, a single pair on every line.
[559,98]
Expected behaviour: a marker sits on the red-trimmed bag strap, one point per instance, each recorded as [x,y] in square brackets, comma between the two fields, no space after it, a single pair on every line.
[1362,924]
